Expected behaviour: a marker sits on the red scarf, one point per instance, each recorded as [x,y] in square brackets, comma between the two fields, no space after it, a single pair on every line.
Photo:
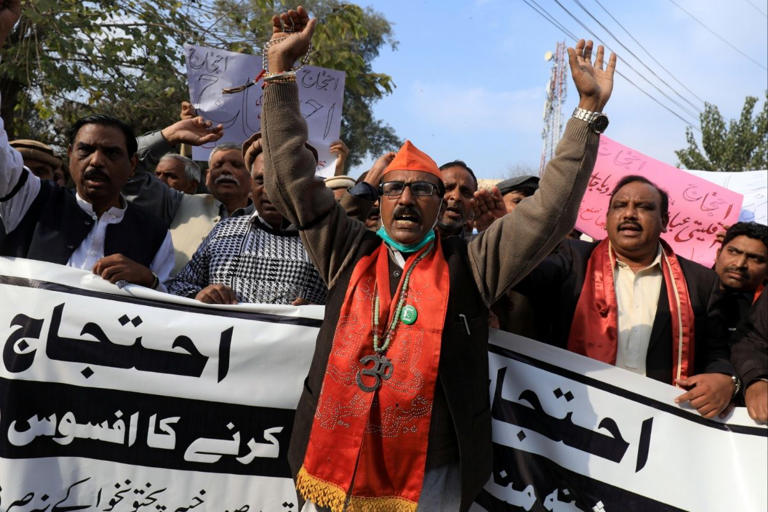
[369,449]
[594,331]
[757,293]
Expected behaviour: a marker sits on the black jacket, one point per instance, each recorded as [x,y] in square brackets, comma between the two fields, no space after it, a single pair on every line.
[749,353]
[55,225]
[555,286]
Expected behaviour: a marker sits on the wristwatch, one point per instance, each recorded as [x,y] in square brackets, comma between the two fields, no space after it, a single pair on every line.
[597,121]
[736,385]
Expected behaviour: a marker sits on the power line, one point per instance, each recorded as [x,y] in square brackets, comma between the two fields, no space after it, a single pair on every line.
[551,19]
[585,27]
[644,49]
[697,20]
[756,8]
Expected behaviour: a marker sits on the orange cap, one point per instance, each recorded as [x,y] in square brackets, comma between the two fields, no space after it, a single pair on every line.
[411,158]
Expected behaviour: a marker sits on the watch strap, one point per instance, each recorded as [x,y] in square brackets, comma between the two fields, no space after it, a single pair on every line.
[585,115]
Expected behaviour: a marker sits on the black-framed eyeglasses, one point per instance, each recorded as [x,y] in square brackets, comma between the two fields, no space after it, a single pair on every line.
[418,188]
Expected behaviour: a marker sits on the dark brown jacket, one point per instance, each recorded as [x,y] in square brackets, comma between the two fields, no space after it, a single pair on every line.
[480,270]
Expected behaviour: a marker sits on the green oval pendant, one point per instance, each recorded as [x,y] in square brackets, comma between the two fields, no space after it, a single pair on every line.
[409,315]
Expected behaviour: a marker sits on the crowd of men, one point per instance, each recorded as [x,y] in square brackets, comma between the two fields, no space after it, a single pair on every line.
[413,263]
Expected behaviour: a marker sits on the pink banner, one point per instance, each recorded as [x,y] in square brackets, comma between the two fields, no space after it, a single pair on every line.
[698,209]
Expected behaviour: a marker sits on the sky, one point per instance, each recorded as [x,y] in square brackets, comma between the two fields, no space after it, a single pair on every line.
[471,75]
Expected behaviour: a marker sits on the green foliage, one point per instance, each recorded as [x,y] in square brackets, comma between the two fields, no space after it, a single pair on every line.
[741,145]
[68,58]
[347,38]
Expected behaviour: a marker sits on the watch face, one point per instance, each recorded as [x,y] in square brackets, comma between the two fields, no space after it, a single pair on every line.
[600,123]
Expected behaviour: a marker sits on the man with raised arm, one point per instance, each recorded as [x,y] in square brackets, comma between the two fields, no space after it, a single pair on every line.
[395,411]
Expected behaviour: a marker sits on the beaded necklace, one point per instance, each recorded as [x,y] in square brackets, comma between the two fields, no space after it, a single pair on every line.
[382,366]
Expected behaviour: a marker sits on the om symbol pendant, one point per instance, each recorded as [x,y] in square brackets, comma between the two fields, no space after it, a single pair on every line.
[382,369]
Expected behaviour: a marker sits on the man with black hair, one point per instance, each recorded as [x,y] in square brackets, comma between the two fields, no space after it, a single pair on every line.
[631,301]
[93,229]
[460,187]
[402,421]
[742,265]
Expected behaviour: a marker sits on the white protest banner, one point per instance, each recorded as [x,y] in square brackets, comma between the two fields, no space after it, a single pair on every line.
[574,434]
[118,400]
[753,185]
[137,400]
[210,71]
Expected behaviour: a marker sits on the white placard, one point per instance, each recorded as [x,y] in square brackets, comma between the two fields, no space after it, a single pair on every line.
[210,71]
[753,185]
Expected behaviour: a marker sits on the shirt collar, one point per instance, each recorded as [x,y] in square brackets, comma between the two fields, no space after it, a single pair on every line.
[114,214]
[656,261]
[255,219]
[245,210]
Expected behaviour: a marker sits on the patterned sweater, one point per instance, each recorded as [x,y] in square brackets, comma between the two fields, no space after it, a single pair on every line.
[259,263]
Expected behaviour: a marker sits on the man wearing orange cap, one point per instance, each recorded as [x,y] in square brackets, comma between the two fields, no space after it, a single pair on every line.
[395,411]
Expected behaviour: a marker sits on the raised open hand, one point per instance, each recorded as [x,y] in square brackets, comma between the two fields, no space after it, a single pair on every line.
[10,12]
[592,81]
[195,132]
[291,35]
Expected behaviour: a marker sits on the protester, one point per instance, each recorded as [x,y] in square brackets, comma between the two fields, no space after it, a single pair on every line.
[514,190]
[228,178]
[179,172]
[750,357]
[252,258]
[94,229]
[340,185]
[742,266]
[191,217]
[38,158]
[629,300]
[61,175]
[425,439]
[460,186]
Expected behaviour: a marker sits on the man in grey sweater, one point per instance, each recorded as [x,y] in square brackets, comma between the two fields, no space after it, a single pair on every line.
[395,410]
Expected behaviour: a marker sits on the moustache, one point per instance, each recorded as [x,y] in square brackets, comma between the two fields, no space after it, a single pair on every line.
[96,174]
[225,178]
[630,224]
[406,211]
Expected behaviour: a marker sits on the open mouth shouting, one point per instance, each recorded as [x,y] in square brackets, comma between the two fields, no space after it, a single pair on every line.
[406,218]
